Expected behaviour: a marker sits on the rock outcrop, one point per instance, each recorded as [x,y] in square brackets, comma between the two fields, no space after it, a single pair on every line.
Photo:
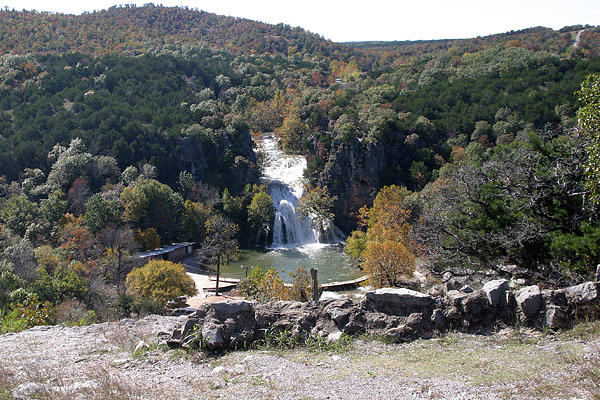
[352,172]
[396,313]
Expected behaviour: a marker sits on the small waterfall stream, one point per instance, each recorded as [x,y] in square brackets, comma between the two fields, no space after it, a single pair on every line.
[284,173]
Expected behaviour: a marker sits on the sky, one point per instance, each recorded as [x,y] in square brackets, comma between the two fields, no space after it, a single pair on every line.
[352,20]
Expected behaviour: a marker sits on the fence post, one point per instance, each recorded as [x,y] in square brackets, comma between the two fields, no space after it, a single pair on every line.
[315,284]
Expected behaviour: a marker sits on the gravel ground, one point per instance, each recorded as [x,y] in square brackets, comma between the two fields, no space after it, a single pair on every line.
[100,362]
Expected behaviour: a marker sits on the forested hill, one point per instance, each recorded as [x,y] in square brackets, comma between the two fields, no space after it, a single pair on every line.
[137,30]
[559,42]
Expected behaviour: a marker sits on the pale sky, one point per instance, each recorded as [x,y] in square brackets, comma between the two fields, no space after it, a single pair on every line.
[352,20]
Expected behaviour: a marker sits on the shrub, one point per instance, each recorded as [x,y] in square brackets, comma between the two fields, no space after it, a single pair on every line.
[30,311]
[263,286]
[160,281]
[74,313]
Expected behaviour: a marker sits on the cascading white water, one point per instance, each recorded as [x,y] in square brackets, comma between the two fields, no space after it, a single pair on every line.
[284,175]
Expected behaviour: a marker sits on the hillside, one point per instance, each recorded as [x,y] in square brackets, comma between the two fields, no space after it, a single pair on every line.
[137,30]
[560,42]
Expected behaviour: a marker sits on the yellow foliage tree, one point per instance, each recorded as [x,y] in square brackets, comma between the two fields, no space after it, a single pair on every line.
[385,262]
[272,286]
[387,249]
[160,281]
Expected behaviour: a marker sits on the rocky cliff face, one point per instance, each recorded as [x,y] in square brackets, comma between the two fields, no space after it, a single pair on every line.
[353,174]
[223,159]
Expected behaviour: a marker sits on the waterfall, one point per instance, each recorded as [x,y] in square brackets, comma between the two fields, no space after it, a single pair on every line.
[283,173]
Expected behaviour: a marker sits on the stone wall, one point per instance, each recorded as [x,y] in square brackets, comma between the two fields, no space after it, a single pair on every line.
[397,313]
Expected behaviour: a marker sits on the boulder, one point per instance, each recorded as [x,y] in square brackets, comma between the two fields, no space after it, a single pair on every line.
[556,297]
[452,284]
[475,306]
[408,328]
[529,301]
[212,335]
[581,294]
[334,337]
[400,297]
[454,298]
[555,317]
[495,291]
[340,311]
[438,319]
[466,289]
[231,307]
[286,314]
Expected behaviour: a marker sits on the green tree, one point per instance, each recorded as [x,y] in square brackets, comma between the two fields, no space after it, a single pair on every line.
[588,117]
[18,213]
[195,216]
[220,245]
[148,239]
[261,213]
[151,204]
[186,184]
[317,203]
[101,214]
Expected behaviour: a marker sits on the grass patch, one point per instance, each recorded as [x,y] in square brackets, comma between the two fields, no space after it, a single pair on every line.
[585,330]
[481,361]
[280,340]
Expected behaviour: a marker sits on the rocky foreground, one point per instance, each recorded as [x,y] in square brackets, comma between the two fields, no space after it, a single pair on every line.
[122,360]
[394,343]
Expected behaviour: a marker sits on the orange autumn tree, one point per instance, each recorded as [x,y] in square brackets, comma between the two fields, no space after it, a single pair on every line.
[386,250]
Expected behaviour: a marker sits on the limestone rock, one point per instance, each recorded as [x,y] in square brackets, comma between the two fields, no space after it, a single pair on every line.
[581,294]
[555,317]
[475,305]
[495,292]
[30,390]
[466,289]
[212,335]
[438,319]
[400,297]
[529,300]
[334,337]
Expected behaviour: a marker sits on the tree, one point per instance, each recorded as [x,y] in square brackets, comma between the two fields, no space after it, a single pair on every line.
[233,207]
[264,286]
[151,204]
[194,220]
[119,244]
[356,244]
[160,281]
[77,196]
[18,213]
[316,203]
[186,184]
[220,245]
[261,213]
[505,204]
[101,214]
[59,277]
[386,262]
[387,248]
[291,134]
[71,163]
[588,117]
[147,239]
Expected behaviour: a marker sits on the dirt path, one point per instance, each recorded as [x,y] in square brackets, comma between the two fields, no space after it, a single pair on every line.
[576,43]
[100,362]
